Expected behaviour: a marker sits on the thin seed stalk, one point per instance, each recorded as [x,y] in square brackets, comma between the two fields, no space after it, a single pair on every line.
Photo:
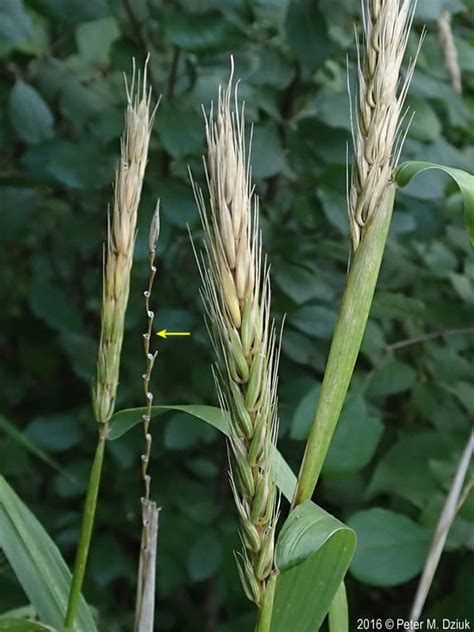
[86,530]
[145,602]
[347,339]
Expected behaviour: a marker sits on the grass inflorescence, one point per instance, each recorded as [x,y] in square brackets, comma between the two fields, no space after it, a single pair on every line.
[236,292]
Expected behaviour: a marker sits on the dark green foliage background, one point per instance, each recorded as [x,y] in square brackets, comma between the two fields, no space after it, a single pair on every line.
[409,410]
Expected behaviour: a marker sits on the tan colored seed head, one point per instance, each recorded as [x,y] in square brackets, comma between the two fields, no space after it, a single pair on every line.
[376,136]
[236,292]
[121,241]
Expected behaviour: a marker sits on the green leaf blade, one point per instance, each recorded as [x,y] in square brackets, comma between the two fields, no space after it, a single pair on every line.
[312,545]
[126,419]
[391,548]
[30,115]
[37,562]
[465,181]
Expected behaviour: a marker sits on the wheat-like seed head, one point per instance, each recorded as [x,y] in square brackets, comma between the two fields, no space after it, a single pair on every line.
[236,293]
[381,96]
[121,241]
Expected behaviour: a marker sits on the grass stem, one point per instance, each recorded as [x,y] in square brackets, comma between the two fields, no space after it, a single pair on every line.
[347,338]
[86,530]
[264,620]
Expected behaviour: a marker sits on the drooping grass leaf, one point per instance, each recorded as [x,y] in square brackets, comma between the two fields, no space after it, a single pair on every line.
[465,181]
[311,541]
[37,562]
[124,420]
[312,545]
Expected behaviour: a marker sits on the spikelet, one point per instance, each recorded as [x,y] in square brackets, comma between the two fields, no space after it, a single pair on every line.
[121,242]
[236,293]
[381,96]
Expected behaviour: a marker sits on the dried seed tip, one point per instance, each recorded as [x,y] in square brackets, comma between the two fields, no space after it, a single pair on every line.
[381,96]
[154,233]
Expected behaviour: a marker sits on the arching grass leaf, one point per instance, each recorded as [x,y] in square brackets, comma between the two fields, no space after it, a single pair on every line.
[312,543]
[465,181]
[124,420]
[37,563]
[313,553]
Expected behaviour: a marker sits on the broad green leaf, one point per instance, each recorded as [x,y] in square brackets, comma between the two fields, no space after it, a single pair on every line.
[181,132]
[21,438]
[95,38]
[37,562]
[177,202]
[77,10]
[312,544]
[431,9]
[339,611]
[267,153]
[355,440]
[123,420]
[55,433]
[464,392]
[402,472]
[205,556]
[426,125]
[391,548]
[196,32]
[15,23]
[303,350]
[22,625]
[30,115]
[314,320]
[465,181]
[304,414]
[392,377]
[306,33]
[302,284]
[52,305]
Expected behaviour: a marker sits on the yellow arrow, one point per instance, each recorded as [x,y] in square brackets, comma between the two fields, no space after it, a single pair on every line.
[164,333]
